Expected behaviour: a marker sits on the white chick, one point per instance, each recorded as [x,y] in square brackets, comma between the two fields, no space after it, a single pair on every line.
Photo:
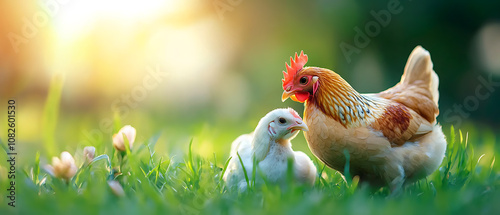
[270,144]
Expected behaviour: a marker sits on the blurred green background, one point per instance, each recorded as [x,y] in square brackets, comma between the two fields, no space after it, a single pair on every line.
[211,69]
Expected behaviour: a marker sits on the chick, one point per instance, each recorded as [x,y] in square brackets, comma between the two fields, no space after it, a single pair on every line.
[270,145]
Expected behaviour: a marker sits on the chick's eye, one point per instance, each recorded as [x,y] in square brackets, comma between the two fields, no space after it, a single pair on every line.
[282,120]
[303,80]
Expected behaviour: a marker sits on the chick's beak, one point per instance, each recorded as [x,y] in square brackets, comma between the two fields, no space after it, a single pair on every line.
[298,125]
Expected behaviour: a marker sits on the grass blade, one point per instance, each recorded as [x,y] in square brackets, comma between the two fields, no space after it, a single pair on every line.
[51,113]
[36,169]
[190,156]
[158,170]
[244,170]
[152,143]
[347,174]
[102,157]
[225,167]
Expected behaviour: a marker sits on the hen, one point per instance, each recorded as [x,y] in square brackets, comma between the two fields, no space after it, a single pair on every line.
[271,147]
[391,137]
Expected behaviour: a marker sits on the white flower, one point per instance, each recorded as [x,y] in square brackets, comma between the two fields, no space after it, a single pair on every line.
[119,142]
[64,167]
[117,188]
[89,153]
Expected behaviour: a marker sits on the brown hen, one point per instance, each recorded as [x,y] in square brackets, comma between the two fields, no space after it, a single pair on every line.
[391,137]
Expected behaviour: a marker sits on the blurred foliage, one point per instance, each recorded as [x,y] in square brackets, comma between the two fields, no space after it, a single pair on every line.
[181,71]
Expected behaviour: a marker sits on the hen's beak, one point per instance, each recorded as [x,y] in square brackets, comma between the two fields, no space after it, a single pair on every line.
[288,94]
[298,125]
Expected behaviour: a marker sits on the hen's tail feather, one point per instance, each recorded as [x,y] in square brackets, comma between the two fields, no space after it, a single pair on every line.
[418,71]
[418,88]
[434,88]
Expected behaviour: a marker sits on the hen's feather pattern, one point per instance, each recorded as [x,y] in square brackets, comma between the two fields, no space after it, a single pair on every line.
[390,136]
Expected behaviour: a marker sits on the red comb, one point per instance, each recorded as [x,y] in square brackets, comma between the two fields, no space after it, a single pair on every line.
[294,113]
[296,65]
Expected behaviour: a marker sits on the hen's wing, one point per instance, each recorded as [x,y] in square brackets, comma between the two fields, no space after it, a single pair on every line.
[399,123]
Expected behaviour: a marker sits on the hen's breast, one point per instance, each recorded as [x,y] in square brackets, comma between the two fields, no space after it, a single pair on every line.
[329,140]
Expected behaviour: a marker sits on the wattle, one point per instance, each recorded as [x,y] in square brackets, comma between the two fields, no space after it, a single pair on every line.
[301,96]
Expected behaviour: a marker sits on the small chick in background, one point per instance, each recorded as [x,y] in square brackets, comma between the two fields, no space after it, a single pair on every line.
[271,147]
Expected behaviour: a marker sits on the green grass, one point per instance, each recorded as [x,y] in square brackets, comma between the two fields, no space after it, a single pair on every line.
[467,182]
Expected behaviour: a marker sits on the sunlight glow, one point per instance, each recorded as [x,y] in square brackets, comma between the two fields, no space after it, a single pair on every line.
[97,42]
[79,16]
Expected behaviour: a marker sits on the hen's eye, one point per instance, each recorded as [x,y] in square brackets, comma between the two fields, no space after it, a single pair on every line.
[303,80]
[282,120]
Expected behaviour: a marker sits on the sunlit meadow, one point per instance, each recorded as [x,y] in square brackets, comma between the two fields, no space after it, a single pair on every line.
[190,76]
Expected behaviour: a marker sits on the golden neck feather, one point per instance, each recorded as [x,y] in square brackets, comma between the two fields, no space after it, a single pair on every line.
[337,99]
